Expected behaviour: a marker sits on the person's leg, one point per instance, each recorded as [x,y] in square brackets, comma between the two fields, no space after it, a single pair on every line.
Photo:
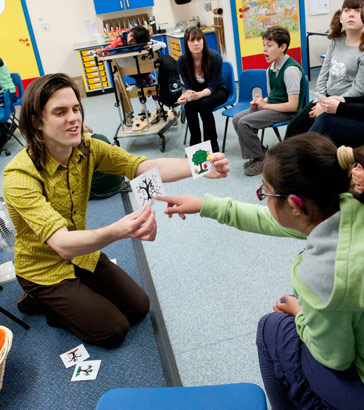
[301,122]
[276,392]
[193,122]
[342,130]
[293,377]
[247,125]
[205,107]
[99,316]
[112,282]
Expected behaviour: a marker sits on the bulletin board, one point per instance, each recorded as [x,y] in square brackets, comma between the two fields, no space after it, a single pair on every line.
[252,17]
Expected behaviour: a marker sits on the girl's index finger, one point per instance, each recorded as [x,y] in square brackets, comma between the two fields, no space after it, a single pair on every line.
[169,199]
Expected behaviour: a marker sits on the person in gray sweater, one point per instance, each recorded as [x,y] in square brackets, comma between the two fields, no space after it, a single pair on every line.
[342,73]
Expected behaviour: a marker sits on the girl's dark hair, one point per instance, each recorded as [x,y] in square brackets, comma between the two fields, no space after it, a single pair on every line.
[190,34]
[31,116]
[306,165]
[337,28]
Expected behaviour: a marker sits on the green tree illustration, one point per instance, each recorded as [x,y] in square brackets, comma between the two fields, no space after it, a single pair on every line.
[198,158]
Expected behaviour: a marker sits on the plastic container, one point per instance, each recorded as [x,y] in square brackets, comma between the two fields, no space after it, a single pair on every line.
[4,352]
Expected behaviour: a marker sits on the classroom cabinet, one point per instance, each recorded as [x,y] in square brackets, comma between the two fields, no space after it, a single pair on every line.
[91,73]
[110,6]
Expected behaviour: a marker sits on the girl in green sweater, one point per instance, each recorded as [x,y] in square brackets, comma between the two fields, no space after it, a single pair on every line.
[311,348]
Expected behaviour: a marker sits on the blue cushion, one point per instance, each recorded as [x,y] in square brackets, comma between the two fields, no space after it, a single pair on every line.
[239,396]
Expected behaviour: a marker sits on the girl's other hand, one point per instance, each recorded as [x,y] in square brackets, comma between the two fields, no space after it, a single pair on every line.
[290,305]
[357,176]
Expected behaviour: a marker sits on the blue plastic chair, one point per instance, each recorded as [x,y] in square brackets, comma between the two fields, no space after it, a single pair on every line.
[239,396]
[19,85]
[19,99]
[228,73]
[248,80]
[5,114]
[282,123]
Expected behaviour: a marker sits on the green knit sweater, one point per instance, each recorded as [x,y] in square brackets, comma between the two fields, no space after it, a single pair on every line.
[328,277]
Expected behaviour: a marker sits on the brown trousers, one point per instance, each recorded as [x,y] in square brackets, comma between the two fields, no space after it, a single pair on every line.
[97,307]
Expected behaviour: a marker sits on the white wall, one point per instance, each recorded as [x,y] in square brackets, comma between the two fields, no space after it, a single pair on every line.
[66,23]
[67,26]
[319,44]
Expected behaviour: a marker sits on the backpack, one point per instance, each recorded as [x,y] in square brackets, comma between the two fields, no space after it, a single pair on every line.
[169,82]
[106,185]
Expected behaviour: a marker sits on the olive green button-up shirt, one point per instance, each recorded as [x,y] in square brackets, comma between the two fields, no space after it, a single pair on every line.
[41,202]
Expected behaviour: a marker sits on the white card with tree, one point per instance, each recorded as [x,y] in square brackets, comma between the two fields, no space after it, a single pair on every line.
[74,356]
[147,186]
[199,159]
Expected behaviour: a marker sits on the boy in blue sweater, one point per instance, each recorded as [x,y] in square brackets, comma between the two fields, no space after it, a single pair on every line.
[286,93]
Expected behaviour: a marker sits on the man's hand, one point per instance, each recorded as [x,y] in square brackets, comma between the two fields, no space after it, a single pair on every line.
[181,205]
[220,163]
[357,176]
[138,225]
[290,306]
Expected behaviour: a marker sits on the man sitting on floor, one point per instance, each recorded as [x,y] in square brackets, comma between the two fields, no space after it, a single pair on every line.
[46,189]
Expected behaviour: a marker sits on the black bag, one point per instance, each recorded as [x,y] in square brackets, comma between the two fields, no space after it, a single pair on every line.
[169,82]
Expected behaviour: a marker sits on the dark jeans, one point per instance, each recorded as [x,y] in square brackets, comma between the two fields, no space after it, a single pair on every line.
[301,122]
[204,107]
[342,130]
[294,379]
[98,307]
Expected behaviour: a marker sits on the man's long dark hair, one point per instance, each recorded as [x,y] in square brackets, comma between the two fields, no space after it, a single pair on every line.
[190,34]
[31,116]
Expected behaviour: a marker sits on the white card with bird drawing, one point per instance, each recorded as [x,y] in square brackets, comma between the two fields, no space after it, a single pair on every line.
[147,186]
[199,159]
[86,370]
[76,355]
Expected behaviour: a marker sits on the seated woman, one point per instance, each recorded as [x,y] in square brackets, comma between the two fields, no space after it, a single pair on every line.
[311,349]
[342,120]
[201,72]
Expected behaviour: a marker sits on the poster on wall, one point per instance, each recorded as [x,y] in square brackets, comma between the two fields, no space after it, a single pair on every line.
[253,17]
[259,15]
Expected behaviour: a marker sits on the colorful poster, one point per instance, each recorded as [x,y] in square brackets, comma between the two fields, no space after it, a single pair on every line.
[261,14]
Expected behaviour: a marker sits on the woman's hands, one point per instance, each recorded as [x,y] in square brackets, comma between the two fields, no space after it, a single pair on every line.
[330,104]
[188,95]
[357,175]
[181,205]
[290,306]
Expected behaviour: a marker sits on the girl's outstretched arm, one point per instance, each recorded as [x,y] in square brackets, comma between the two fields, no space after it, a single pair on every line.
[181,204]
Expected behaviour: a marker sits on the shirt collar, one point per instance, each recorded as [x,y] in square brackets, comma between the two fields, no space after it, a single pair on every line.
[52,164]
[275,68]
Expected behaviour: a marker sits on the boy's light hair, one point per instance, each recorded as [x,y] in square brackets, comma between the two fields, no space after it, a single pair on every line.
[278,34]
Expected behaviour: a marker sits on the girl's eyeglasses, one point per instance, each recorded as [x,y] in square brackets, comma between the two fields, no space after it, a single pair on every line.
[262,193]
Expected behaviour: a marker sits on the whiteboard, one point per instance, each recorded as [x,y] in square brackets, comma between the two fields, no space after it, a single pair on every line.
[319,7]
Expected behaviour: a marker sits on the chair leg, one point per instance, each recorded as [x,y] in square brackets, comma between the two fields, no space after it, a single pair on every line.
[262,137]
[186,132]
[225,132]
[277,134]
[11,316]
